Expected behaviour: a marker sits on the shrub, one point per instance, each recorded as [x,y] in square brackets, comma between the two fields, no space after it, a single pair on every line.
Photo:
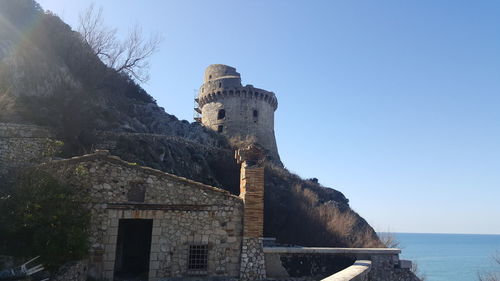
[42,217]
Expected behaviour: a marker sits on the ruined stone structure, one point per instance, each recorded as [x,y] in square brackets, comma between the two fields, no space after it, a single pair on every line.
[237,111]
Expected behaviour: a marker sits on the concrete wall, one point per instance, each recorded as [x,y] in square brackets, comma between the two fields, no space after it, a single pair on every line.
[222,89]
[183,213]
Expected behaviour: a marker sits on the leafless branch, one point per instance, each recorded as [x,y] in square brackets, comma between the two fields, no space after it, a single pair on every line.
[491,276]
[130,56]
[389,239]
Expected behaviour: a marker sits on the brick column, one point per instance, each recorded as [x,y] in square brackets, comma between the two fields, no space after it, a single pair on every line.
[252,192]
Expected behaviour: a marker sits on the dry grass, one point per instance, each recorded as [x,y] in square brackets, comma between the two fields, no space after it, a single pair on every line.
[344,226]
[308,214]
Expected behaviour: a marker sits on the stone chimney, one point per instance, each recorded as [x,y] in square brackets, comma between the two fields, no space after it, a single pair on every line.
[252,192]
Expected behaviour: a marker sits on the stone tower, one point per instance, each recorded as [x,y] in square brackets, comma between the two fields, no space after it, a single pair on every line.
[237,111]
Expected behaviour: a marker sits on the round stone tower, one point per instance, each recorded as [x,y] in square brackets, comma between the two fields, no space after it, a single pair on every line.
[237,111]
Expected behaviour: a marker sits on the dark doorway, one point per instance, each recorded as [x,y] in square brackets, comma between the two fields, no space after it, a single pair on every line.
[132,249]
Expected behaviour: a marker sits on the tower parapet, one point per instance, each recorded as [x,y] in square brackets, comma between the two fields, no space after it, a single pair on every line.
[237,111]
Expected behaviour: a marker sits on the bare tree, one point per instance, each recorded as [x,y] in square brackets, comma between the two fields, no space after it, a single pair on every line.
[389,239]
[491,276]
[130,56]
[416,270]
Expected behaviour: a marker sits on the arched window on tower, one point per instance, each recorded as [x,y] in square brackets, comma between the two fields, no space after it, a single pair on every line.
[255,115]
[221,114]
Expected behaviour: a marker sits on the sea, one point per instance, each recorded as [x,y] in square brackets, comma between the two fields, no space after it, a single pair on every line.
[451,257]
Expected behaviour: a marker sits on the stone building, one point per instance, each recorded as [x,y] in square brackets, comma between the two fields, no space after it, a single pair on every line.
[237,111]
[153,225]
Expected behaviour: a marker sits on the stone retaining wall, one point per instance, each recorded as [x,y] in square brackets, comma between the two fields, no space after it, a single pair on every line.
[108,140]
[283,262]
[72,271]
[252,260]
[24,145]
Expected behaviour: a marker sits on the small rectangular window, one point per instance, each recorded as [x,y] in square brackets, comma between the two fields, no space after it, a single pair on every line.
[220,128]
[221,114]
[198,258]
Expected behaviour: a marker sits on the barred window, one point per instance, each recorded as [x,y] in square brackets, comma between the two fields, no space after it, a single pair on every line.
[198,257]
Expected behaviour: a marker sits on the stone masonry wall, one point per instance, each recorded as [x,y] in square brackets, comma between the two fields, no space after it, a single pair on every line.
[249,111]
[297,262]
[72,271]
[24,145]
[390,268]
[253,265]
[315,266]
[184,212]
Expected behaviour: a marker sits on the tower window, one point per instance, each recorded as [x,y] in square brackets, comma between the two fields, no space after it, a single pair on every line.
[209,76]
[220,85]
[221,114]
[255,113]
[220,128]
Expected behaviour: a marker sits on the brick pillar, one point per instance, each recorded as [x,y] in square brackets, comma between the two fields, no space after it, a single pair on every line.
[252,192]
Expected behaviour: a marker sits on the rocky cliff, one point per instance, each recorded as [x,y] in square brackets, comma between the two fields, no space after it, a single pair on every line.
[49,77]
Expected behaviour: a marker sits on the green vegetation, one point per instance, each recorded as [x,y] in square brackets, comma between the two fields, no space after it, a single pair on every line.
[42,217]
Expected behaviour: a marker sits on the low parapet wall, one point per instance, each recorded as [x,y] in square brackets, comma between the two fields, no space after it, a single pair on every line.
[356,272]
[335,264]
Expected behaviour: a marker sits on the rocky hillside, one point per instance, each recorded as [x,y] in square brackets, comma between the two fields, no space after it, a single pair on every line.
[49,77]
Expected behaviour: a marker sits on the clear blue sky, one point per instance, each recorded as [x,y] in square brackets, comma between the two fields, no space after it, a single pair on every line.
[394,103]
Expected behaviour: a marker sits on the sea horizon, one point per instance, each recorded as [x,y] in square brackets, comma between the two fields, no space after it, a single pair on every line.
[451,233]
[450,256]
